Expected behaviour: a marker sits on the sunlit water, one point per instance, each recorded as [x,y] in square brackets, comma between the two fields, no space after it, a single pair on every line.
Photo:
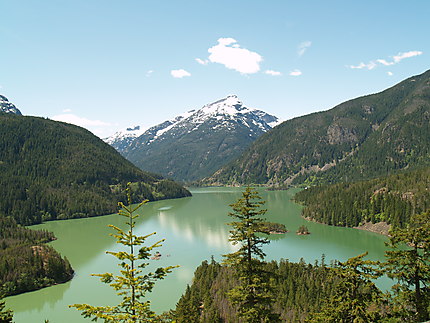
[195,230]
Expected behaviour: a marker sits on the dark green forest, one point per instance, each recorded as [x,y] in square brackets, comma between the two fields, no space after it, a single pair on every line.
[52,170]
[392,199]
[298,289]
[26,262]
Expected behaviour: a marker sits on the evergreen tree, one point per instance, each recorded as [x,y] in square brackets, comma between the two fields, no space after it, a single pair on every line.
[252,294]
[5,315]
[409,263]
[132,284]
[188,309]
[298,289]
[355,296]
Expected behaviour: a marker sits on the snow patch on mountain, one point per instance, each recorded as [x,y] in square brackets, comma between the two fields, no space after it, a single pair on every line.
[126,134]
[173,123]
[221,114]
[7,107]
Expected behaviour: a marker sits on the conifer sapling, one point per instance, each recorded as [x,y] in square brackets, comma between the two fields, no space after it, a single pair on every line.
[132,283]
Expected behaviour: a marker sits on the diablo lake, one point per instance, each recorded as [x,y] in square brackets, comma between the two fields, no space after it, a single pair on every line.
[195,229]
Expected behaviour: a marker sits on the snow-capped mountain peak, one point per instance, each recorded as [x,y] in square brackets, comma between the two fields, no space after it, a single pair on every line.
[7,107]
[226,113]
[231,105]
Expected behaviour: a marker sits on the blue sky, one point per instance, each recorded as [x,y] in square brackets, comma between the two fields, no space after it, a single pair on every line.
[107,64]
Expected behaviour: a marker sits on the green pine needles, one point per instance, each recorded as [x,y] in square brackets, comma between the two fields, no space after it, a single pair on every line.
[6,315]
[356,297]
[408,262]
[132,284]
[252,295]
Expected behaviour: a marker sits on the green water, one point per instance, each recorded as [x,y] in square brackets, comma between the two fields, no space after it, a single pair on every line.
[194,229]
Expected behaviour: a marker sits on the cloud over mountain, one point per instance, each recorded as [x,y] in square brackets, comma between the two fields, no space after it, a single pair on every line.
[229,53]
[396,59]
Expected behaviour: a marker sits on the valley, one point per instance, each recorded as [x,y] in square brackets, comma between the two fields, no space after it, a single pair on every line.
[214,161]
[362,164]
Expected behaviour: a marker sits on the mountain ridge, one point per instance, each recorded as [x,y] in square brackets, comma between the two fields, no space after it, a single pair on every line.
[361,138]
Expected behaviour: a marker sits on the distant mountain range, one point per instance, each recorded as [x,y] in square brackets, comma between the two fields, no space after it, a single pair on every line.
[7,107]
[363,138]
[196,143]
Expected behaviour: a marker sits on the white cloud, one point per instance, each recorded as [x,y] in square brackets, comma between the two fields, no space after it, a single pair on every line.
[384,62]
[273,73]
[359,66]
[79,121]
[201,61]
[229,53]
[99,128]
[149,73]
[390,73]
[296,72]
[303,46]
[67,110]
[396,59]
[179,73]
[369,66]
[226,41]
[409,54]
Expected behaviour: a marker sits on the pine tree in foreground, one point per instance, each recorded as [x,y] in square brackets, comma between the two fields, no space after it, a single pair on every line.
[252,296]
[6,316]
[355,298]
[409,263]
[132,283]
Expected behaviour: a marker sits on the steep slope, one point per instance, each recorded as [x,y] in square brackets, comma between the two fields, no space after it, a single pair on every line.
[195,144]
[7,107]
[53,170]
[362,138]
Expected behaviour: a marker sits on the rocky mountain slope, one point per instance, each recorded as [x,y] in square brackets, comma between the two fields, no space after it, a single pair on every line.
[362,138]
[7,107]
[197,143]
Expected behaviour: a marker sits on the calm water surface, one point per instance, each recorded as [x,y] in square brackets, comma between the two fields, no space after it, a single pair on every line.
[194,229]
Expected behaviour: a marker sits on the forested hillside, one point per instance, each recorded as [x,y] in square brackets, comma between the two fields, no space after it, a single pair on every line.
[393,199]
[26,263]
[298,288]
[53,170]
[363,138]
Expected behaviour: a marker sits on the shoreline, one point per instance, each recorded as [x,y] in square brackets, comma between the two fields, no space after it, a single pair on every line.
[378,227]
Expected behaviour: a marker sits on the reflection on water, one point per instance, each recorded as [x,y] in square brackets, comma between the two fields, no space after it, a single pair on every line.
[195,229]
[164,208]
